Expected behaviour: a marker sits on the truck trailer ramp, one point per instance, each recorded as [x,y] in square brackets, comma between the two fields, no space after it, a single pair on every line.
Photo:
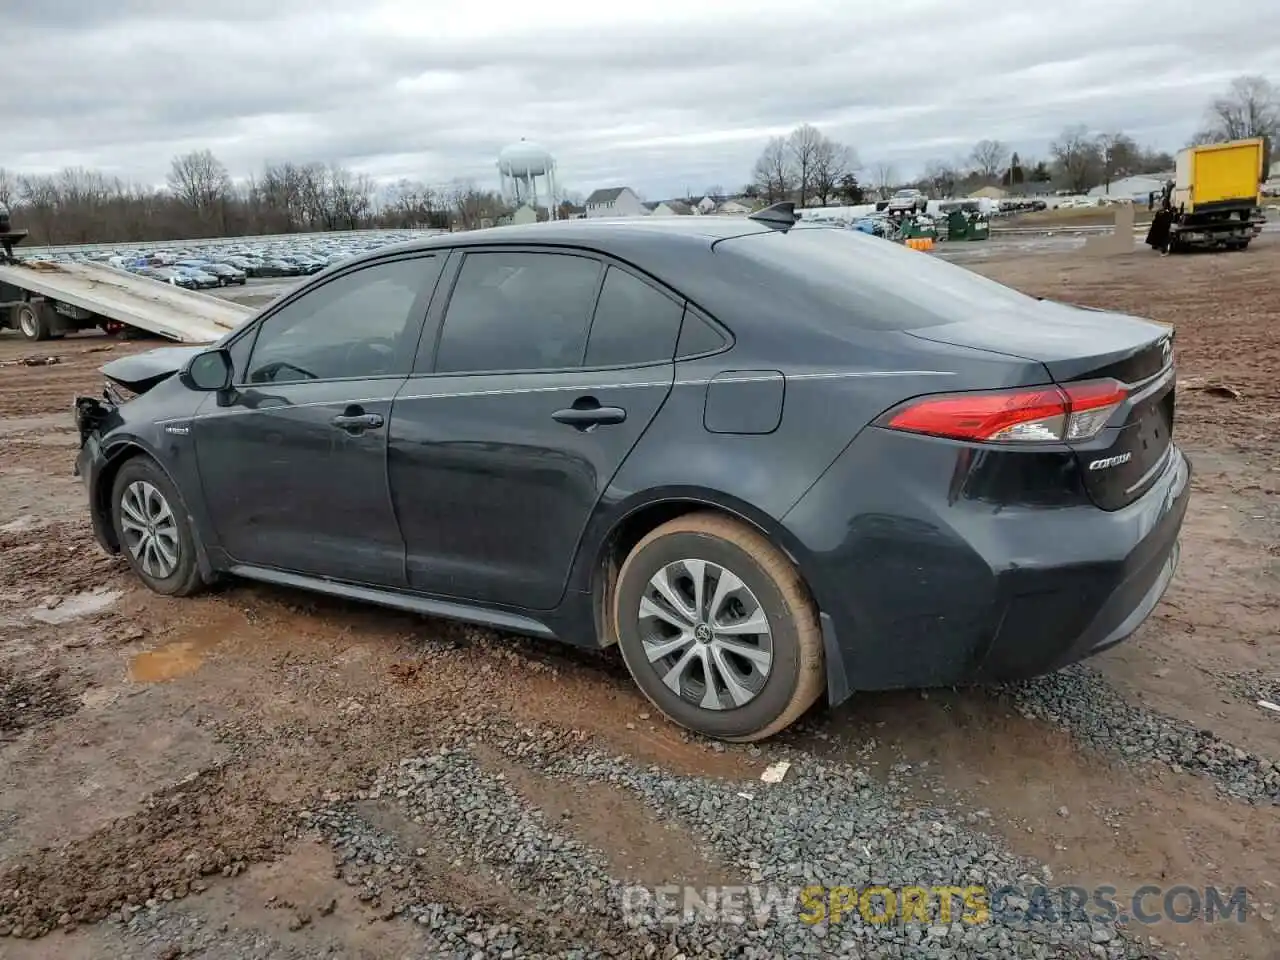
[160,308]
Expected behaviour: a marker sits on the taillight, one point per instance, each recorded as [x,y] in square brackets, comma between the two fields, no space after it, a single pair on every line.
[1051,414]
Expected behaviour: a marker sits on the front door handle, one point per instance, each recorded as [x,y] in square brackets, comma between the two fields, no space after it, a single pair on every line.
[357,422]
[586,413]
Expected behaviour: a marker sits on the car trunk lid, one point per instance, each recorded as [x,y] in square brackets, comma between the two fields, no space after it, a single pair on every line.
[1077,344]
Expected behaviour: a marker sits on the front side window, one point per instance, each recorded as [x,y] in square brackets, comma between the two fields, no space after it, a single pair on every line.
[518,311]
[362,324]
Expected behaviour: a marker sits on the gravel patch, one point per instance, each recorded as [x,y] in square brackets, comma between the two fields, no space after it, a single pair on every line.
[1251,685]
[1080,700]
[827,823]
[500,878]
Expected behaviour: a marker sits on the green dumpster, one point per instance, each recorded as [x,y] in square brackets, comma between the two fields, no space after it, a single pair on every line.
[957,225]
[979,228]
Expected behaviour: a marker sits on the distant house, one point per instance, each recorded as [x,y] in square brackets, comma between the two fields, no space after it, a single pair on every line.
[735,208]
[615,202]
[526,214]
[705,204]
[673,208]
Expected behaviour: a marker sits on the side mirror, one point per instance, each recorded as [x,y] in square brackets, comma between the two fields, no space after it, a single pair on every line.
[211,370]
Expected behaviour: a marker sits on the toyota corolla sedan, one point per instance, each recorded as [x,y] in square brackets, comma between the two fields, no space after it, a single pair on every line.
[771,463]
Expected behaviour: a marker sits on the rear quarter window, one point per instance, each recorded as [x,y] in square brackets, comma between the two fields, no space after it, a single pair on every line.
[874,283]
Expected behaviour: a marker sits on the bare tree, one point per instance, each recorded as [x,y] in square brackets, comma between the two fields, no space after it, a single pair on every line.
[473,206]
[831,162]
[1250,108]
[773,175]
[715,190]
[1119,156]
[79,205]
[940,178]
[1077,159]
[200,181]
[885,178]
[352,197]
[804,144]
[990,157]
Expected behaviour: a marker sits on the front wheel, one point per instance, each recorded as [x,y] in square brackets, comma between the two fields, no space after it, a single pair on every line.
[717,628]
[153,529]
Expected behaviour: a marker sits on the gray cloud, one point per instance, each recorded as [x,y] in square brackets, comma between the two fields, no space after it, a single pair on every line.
[665,95]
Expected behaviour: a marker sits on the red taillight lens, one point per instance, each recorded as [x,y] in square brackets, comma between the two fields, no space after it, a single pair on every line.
[1030,414]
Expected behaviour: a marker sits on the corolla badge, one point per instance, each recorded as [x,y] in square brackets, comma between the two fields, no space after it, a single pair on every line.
[1106,462]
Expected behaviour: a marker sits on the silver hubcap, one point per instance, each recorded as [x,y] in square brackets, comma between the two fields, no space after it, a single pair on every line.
[706,634]
[28,323]
[150,531]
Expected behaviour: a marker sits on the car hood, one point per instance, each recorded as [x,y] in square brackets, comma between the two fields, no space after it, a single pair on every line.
[143,371]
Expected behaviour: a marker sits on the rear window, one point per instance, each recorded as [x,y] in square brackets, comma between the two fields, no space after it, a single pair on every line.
[875,283]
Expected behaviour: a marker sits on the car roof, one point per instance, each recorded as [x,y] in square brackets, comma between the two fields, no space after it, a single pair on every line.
[602,233]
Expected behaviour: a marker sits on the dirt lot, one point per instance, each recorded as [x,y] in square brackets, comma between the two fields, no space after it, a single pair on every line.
[240,774]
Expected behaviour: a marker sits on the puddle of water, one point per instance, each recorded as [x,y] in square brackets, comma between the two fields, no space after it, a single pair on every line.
[173,660]
[71,608]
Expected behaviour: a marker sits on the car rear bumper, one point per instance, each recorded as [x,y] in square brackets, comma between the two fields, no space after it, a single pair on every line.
[924,581]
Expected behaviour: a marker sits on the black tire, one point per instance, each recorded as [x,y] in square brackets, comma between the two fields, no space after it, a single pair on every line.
[31,323]
[795,678]
[184,579]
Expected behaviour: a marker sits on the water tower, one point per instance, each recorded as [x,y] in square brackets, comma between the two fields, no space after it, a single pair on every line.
[519,167]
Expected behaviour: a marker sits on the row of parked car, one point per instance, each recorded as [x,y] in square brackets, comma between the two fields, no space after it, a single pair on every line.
[201,266]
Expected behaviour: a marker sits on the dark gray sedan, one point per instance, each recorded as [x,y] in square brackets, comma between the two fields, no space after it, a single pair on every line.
[770,462]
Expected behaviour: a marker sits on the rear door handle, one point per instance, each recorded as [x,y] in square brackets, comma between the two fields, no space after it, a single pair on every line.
[354,422]
[584,417]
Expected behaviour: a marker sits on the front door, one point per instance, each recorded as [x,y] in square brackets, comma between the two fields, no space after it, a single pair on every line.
[549,368]
[294,463]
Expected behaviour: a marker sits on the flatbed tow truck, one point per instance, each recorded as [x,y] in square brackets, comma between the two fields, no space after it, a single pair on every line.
[44,299]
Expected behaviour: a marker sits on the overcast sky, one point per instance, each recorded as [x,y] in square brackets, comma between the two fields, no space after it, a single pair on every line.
[663,95]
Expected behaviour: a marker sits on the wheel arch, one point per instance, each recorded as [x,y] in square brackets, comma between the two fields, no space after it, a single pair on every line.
[634,519]
[104,480]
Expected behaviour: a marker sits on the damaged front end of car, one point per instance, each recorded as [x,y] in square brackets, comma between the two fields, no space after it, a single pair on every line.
[95,416]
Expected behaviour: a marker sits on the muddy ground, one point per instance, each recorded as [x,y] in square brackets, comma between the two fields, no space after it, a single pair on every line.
[157,754]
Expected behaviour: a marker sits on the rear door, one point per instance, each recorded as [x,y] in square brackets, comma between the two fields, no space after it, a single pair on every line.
[294,464]
[548,368]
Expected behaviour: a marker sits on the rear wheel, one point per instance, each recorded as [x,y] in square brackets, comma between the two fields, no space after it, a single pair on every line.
[153,529]
[32,324]
[717,628]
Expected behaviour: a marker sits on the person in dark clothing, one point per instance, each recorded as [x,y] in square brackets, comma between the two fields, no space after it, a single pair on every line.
[1159,235]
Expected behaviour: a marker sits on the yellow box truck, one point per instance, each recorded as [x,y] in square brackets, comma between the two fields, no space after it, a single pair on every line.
[1215,198]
